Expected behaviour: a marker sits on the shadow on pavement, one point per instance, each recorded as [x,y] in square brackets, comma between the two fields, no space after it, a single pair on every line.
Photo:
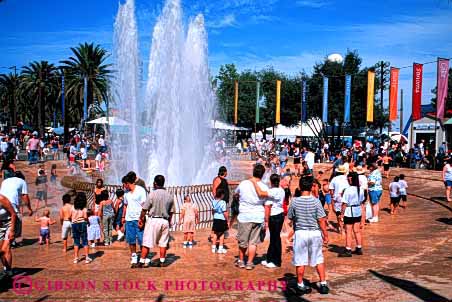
[445,220]
[335,248]
[291,293]
[21,273]
[28,241]
[411,287]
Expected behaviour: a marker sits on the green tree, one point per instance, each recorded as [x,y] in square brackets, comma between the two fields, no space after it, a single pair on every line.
[9,93]
[88,60]
[225,92]
[39,83]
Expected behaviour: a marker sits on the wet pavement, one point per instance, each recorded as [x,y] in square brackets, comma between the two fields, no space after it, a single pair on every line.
[407,257]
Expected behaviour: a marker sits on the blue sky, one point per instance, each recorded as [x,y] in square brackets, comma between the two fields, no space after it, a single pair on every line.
[290,35]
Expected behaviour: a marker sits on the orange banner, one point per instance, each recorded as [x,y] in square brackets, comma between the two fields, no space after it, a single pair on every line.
[278,102]
[393,93]
[370,95]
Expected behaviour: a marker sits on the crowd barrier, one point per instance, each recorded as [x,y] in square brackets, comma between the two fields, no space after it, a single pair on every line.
[201,195]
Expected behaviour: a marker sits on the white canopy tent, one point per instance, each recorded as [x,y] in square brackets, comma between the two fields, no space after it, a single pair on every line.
[224,126]
[282,132]
[112,121]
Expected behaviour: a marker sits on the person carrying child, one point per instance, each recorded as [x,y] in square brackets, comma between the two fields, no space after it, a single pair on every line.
[45,221]
[189,219]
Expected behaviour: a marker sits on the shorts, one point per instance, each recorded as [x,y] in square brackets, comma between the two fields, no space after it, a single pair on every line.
[351,220]
[448,183]
[133,233]
[6,224]
[45,234]
[296,161]
[41,195]
[80,234]
[219,226]
[282,164]
[307,248]
[375,196]
[338,213]
[328,199]
[403,197]
[66,228]
[386,167]
[395,200]
[156,233]
[249,233]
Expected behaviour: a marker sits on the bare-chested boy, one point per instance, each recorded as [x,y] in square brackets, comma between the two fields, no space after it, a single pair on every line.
[65,219]
[45,222]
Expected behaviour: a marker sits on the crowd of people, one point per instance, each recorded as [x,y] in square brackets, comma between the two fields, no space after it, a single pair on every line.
[349,191]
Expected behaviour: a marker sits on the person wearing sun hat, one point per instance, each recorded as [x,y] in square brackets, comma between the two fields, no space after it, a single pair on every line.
[337,186]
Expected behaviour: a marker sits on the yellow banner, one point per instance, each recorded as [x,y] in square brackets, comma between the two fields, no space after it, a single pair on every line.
[278,101]
[236,101]
[370,95]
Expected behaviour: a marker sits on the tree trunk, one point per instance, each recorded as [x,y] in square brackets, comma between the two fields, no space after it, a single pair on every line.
[40,113]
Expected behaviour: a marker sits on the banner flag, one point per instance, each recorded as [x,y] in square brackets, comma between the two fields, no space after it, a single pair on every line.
[417,91]
[278,102]
[62,98]
[258,90]
[370,95]
[442,86]
[236,101]
[304,113]
[393,93]
[85,98]
[325,100]
[348,87]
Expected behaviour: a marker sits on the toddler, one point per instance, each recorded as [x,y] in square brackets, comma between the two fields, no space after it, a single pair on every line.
[93,228]
[189,219]
[45,221]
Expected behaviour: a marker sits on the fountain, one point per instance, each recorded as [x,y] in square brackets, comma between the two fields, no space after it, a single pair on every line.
[168,128]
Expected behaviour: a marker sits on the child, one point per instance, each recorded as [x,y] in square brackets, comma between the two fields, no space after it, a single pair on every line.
[403,186]
[45,221]
[79,218]
[119,208]
[327,197]
[220,221]
[93,228]
[189,219]
[394,192]
[65,219]
[41,187]
[106,214]
[53,174]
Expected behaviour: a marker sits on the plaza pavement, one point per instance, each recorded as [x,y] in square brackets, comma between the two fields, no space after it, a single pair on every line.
[407,257]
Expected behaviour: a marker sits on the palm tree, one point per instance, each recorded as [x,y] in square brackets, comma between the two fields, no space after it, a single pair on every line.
[9,91]
[39,82]
[88,61]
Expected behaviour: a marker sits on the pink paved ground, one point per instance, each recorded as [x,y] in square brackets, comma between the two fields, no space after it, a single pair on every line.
[407,258]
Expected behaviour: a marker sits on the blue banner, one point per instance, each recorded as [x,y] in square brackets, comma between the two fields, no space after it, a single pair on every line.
[304,113]
[85,97]
[62,98]
[325,100]
[348,85]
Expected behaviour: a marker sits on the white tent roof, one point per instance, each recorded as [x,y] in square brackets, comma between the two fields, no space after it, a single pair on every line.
[224,126]
[282,131]
[112,121]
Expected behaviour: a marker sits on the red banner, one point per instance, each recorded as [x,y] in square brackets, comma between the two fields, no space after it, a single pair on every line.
[393,89]
[442,86]
[417,91]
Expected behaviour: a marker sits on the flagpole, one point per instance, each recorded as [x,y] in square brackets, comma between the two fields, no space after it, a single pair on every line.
[436,114]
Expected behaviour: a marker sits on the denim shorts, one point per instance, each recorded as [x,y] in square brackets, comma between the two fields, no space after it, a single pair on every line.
[80,233]
[375,196]
[448,183]
[328,198]
[133,233]
[45,234]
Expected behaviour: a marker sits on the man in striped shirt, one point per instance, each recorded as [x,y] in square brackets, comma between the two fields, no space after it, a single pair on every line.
[309,219]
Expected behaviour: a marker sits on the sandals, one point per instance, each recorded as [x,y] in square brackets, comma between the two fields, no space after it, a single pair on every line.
[88,260]
[249,266]
[75,261]
[240,264]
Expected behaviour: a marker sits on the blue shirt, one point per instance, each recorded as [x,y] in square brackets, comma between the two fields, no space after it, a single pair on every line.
[218,207]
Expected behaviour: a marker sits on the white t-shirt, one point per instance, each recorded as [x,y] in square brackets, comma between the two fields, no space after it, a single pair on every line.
[403,185]
[84,153]
[134,201]
[276,197]
[251,207]
[3,146]
[394,189]
[353,201]
[363,182]
[310,158]
[13,188]
[101,142]
[338,184]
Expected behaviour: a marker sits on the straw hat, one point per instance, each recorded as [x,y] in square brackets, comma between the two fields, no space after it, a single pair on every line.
[341,169]
[359,170]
